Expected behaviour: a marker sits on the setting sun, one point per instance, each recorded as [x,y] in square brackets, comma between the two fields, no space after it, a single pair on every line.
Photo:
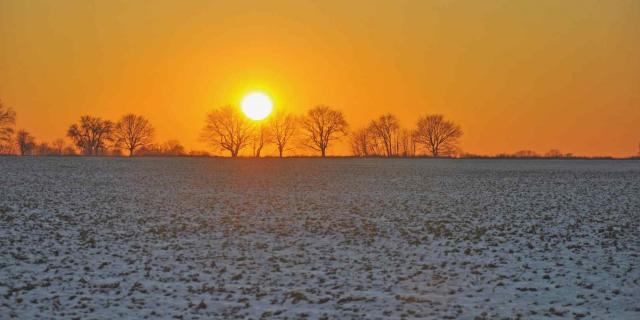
[257,106]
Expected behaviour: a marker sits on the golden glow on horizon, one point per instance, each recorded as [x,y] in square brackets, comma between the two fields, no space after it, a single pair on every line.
[257,106]
[529,74]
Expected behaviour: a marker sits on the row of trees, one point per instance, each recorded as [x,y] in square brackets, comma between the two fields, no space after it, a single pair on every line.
[92,135]
[553,153]
[27,145]
[24,141]
[385,137]
[132,134]
[227,129]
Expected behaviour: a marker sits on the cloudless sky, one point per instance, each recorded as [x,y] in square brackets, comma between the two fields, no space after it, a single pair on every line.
[514,74]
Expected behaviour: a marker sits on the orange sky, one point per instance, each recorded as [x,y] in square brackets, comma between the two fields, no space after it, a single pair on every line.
[514,74]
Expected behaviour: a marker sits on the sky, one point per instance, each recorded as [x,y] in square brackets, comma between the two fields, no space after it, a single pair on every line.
[515,75]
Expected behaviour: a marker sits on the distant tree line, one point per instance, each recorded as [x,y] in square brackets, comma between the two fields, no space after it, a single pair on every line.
[525,154]
[132,135]
[227,130]
[7,121]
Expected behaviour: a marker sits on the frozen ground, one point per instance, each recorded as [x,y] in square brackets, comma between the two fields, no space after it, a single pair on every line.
[309,238]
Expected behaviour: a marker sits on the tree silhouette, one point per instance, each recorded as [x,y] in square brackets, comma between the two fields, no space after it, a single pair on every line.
[554,153]
[58,147]
[7,121]
[526,154]
[91,134]
[43,149]
[26,142]
[407,143]
[321,126]
[282,127]
[367,142]
[361,142]
[133,131]
[439,136]
[385,129]
[260,137]
[227,129]
[172,148]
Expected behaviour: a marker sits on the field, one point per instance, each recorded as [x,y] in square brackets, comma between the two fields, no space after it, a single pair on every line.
[191,238]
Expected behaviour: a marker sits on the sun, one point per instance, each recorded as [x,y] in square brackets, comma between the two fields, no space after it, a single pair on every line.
[256,106]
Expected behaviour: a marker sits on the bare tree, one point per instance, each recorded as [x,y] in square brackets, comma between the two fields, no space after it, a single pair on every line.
[260,137]
[91,134]
[385,129]
[7,121]
[173,148]
[375,145]
[43,149]
[360,142]
[169,148]
[414,142]
[282,127]
[132,132]
[321,126]
[227,129]
[151,150]
[365,143]
[58,147]
[26,142]
[439,136]
[407,143]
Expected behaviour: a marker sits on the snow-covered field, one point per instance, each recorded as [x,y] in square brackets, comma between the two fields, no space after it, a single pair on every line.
[310,238]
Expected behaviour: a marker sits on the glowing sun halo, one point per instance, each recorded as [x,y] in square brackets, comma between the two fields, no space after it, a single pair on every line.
[256,106]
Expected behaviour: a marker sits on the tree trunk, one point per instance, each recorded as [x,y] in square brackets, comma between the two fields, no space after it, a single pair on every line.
[323,152]
[280,151]
[235,151]
[130,152]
